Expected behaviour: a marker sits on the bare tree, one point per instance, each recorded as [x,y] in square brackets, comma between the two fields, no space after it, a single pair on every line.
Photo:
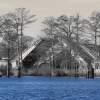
[65,25]
[22,18]
[77,31]
[6,29]
[50,31]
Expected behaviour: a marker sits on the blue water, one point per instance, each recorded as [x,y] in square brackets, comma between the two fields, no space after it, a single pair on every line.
[49,88]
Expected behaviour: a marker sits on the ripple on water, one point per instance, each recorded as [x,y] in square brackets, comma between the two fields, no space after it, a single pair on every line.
[47,88]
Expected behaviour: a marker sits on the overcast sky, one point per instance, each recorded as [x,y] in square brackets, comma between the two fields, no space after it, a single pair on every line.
[44,8]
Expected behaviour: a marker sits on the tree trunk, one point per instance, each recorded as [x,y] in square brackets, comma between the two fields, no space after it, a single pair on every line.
[8,66]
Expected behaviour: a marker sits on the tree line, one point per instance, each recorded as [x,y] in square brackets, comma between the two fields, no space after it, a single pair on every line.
[75,28]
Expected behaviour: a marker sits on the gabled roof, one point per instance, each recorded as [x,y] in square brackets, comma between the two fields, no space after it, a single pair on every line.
[81,49]
[39,50]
